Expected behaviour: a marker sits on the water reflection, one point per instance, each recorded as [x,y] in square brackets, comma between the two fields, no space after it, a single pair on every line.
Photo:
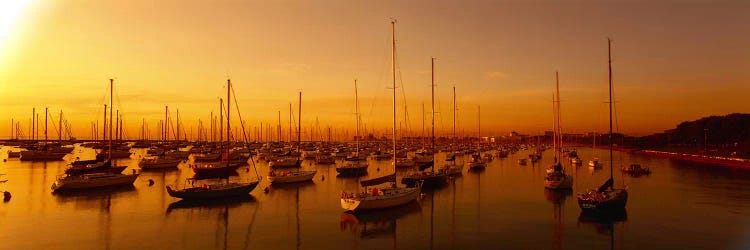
[195,205]
[376,223]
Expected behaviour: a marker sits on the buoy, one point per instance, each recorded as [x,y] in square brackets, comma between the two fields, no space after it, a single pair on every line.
[150,182]
[6,196]
[322,177]
[378,169]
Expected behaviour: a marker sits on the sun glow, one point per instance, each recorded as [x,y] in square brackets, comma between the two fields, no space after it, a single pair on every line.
[10,17]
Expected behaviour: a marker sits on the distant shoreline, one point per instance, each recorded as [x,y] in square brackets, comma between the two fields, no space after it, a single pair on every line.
[734,162]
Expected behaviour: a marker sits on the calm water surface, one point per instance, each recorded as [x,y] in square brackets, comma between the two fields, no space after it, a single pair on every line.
[680,206]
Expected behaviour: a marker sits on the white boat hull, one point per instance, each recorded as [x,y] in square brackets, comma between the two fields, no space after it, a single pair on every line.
[370,202]
[81,182]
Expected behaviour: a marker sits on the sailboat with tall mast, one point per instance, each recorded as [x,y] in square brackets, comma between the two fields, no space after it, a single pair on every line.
[97,180]
[451,166]
[293,176]
[477,162]
[218,190]
[354,164]
[392,196]
[556,177]
[432,178]
[606,198]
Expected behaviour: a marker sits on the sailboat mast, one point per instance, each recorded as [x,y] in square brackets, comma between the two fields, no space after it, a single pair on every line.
[111,90]
[558,132]
[59,129]
[454,115]
[299,122]
[609,62]
[45,126]
[178,126]
[479,123]
[229,101]
[393,72]
[432,134]
[356,114]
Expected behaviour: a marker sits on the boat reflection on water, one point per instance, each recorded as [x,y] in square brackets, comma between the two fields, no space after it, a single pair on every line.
[603,221]
[94,194]
[376,223]
[223,203]
[557,196]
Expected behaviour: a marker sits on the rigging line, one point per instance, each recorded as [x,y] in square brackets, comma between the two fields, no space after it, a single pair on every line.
[403,93]
[242,122]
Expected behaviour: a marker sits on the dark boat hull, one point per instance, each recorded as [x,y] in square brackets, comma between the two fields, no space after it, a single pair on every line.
[192,194]
[351,171]
[615,203]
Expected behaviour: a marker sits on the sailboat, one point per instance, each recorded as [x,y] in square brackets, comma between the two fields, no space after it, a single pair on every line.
[217,190]
[606,197]
[432,178]
[96,180]
[451,167]
[556,177]
[392,196]
[477,163]
[353,164]
[594,163]
[293,176]
[226,164]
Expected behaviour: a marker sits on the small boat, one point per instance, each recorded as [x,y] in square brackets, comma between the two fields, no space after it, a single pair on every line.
[522,161]
[95,180]
[12,154]
[291,176]
[575,161]
[285,162]
[404,163]
[213,191]
[636,170]
[477,162]
[427,179]
[215,168]
[95,167]
[594,164]
[451,167]
[352,168]
[558,179]
[325,160]
[41,155]
[158,162]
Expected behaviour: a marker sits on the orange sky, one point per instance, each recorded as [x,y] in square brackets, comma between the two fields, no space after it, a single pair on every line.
[673,61]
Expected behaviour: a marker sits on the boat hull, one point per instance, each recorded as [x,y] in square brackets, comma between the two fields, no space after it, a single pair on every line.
[359,170]
[616,202]
[300,176]
[33,155]
[564,183]
[240,189]
[80,182]
[374,202]
[162,164]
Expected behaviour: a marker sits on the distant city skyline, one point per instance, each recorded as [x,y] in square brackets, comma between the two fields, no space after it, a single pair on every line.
[672,62]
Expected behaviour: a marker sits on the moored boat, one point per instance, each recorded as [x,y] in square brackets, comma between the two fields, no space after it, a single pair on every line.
[94,180]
